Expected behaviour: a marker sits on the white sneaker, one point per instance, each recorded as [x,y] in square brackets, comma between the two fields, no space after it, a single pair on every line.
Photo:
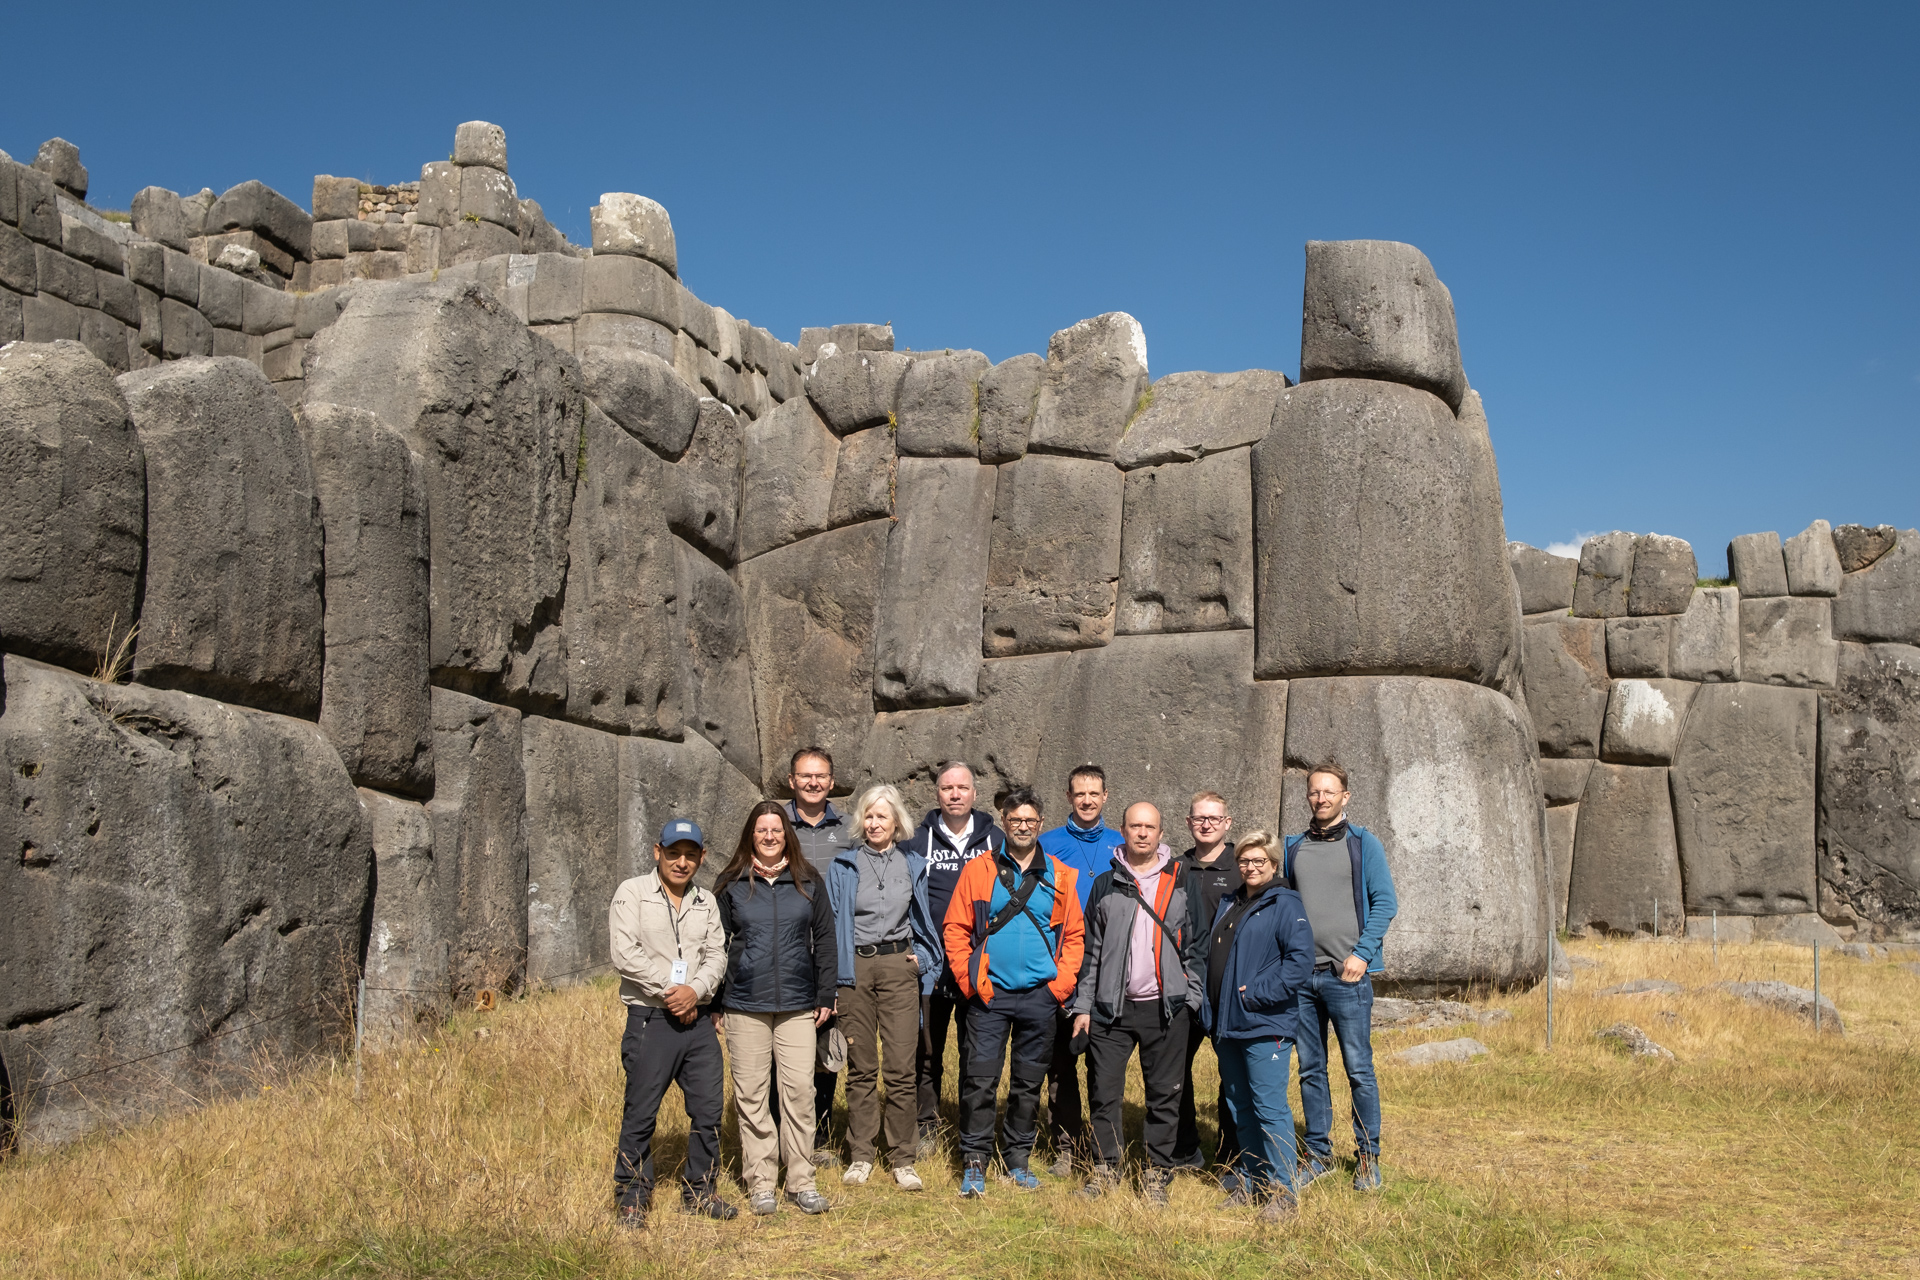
[857,1173]
[908,1179]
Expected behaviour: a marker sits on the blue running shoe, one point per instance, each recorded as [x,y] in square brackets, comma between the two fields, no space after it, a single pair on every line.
[1310,1170]
[973,1181]
[1023,1179]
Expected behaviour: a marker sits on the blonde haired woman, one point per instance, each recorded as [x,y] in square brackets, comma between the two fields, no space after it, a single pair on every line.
[885,936]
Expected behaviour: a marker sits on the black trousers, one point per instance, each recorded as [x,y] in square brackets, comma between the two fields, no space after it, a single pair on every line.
[1186,1148]
[658,1050]
[1026,1019]
[1163,1056]
[945,1008]
[1066,1118]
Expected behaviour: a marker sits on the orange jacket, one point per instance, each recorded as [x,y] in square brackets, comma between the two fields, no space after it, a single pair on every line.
[970,907]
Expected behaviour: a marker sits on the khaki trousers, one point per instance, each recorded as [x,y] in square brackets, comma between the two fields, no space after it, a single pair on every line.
[881,1016]
[765,1048]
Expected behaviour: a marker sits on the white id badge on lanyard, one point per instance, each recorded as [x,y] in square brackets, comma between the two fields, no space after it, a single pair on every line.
[679,978]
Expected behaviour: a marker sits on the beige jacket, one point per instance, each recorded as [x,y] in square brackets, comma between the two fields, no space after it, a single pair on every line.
[648,935]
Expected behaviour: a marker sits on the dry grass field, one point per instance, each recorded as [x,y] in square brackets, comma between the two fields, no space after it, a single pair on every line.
[1761,1151]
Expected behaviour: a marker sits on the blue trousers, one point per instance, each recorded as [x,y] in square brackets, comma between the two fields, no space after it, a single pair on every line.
[1254,1074]
[1349,1007]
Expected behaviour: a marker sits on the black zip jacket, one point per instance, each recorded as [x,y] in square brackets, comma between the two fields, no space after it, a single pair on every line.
[781,956]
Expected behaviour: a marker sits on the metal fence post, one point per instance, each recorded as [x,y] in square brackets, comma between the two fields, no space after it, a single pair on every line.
[1716,937]
[1656,919]
[1816,988]
[359,1033]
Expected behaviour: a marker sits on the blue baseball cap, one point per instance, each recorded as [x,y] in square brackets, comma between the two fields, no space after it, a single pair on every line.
[680,829]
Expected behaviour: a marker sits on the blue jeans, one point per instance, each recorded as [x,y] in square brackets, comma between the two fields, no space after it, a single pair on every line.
[1254,1075]
[1349,1007]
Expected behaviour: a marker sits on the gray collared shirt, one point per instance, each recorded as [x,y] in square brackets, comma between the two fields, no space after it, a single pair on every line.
[881,902]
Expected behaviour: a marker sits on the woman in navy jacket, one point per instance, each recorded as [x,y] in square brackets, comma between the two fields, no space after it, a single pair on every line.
[1259,956]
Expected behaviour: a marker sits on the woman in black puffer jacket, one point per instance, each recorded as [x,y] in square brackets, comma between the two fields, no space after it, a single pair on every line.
[782,967]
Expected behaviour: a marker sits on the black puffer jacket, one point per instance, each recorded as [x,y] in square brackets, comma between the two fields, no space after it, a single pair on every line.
[780,946]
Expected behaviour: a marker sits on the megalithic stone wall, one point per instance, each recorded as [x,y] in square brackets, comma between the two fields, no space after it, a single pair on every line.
[468,558]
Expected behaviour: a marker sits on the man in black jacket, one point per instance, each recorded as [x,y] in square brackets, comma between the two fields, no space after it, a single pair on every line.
[1211,875]
[823,835]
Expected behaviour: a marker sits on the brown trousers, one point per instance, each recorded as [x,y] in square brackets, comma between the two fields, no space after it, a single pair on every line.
[881,1017]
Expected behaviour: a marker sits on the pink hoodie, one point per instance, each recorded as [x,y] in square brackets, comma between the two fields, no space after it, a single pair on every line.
[1143,977]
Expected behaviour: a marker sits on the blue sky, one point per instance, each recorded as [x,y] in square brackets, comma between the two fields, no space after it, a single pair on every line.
[1683,241]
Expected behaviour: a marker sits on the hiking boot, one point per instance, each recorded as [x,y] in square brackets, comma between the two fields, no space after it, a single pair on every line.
[763,1204]
[1101,1180]
[1154,1184]
[1238,1198]
[1310,1170]
[825,1159]
[1062,1166]
[973,1180]
[707,1205]
[634,1216]
[929,1145]
[1281,1206]
[1366,1173]
[1023,1178]
[809,1201]
[857,1173]
[907,1179]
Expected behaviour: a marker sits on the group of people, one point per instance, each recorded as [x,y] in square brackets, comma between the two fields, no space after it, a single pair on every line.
[862,943]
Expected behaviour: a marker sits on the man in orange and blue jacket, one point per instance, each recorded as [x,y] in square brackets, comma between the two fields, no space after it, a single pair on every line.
[1014,937]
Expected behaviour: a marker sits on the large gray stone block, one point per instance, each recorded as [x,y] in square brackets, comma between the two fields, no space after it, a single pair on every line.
[1008,393]
[1545,580]
[19,263]
[1639,647]
[495,416]
[1443,773]
[633,226]
[927,649]
[622,671]
[1380,545]
[786,487]
[1186,547]
[1868,832]
[716,670]
[1757,564]
[1605,577]
[1813,566]
[573,848]
[1055,560]
[479,818]
[863,479]
[661,781]
[1643,720]
[811,617]
[374,705]
[1664,574]
[1562,782]
[855,389]
[1881,603]
[703,491]
[642,393]
[630,286]
[1566,665]
[256,207]
[232,604]
[1375,309]
[489,196]
[1706,638]
[1093,387]
[479,143]
[1743,800]
[37,206]
[1190,415]
[596,328]
[939,406]
[1859,546]
[175,868]
[1787,640]
[60,160]
[1562,826]
[408,989]
[72,505]
[1624,855]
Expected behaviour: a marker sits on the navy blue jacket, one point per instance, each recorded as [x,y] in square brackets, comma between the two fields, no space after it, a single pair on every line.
[782,955]
[1272,958]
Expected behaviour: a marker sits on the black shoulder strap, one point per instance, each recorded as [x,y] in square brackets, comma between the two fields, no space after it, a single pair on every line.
[1017,898]
[1131,888]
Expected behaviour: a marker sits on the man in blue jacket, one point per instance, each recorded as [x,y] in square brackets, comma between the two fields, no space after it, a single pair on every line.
[1087,845]
[1340,872]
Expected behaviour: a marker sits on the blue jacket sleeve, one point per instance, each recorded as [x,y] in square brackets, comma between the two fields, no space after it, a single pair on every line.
[1382,905]
[840,897]
[927,949]
[1289,965]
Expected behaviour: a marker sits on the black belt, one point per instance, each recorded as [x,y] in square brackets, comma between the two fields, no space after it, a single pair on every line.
[882,949]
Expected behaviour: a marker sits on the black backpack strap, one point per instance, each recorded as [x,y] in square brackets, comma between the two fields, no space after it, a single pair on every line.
[1131,889]
[1018,896]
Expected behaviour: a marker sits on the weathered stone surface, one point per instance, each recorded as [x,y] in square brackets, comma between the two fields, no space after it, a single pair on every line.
[1465,1049]
[1706,638]
[1562,824]
[489,195]
[864,478]
[1643,720]
[1606,573]
[698,319]
[811,615]
[1190,415]
[660,781]
[642,393]
[786,488]
[1091,391]
[1442,772]
[1664,573]
[1563,781]
[1743,798]
[939,406]
[1624,856]
[1055,559]
[1882,601]
[1787,640]
[232,604]
[1813,566]
[573,847]
[72,505]
[1186,547]
[1639,646]
[1008,393]
[1869,788]
[854,389]
[622,584]
[1800,928]
[334,198]
[716,674]
[184,331]
[481,143]
[1858,546]
[607,329]
[634,226]
[1375,309]
[631,286]
[60,160]
[479,817]
[495,416]
[176,868]
[1789,999]
[1401,566]
[408,991]
[1758,565]
[703,494]
[1566,665]
[373,503]
[928,646]
[1545,580]
[37,206]
[19,269]
[254,206]
[1637,1043]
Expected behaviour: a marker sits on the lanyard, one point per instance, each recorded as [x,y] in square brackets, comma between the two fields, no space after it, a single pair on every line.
[673,918]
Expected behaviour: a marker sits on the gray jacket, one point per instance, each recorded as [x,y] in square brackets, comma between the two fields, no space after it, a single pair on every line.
[1111,906]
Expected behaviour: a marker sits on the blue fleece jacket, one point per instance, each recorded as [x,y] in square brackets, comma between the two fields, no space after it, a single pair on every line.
[1374,903]
[1088,850]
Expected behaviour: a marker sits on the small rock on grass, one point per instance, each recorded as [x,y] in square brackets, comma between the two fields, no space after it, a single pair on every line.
[1788,999]
[1643,986]
[1464,1049]
[1634,1040]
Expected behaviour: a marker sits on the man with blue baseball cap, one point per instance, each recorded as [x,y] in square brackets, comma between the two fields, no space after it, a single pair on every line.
[671,951]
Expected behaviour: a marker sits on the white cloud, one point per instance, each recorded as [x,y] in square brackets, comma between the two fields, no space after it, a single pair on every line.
[1570,548]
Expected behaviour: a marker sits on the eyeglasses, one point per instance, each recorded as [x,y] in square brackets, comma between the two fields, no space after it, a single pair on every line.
[1254,862]
[813,777]
[1023,822]
[1208,820]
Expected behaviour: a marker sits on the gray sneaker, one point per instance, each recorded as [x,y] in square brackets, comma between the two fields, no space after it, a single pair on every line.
[1280,1207]
[809,1201]
[1101,1180]
[1366,1173]
[763,1203]
[1154,1184]
[1062,1166]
